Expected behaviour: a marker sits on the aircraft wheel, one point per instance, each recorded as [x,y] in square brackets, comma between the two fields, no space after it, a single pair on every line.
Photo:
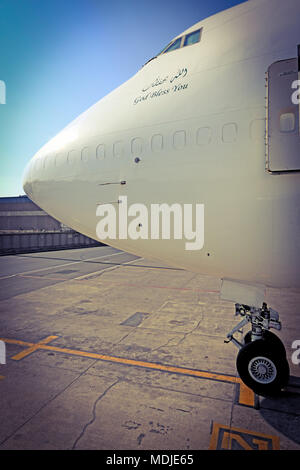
[263,368]
[272,339]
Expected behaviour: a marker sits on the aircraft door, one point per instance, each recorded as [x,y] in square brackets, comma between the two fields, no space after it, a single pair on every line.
[283,127]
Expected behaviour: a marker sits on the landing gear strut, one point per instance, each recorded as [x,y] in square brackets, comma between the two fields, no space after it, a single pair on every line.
[261,361]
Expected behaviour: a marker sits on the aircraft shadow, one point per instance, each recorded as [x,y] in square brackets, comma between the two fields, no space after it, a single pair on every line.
[283,412]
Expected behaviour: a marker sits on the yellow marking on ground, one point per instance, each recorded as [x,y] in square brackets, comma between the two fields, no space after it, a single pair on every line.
[224,437]
[228,439]
[246,396]
[1,377]
[33,348]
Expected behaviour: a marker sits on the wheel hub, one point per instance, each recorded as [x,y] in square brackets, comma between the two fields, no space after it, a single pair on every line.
[262,370]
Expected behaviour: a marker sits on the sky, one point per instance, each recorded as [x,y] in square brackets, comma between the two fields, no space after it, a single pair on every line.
[58,57]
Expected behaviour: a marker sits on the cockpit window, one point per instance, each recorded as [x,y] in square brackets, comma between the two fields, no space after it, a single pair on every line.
[175,45]
[192,38]
[187,40]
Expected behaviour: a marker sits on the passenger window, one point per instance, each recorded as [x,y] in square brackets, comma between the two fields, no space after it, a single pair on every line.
[136,147]
[287,122]
[258,130]
[72,156]
[58,159]
[229,132]
[175,45]
[204,136]
[157,143]
[118,149]
[179,140]
[192,38]
[100,152]
[85,154]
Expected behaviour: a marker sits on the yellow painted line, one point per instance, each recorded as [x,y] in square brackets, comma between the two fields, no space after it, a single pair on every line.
[16,341]
[246,396]
[1,377]
[33,348]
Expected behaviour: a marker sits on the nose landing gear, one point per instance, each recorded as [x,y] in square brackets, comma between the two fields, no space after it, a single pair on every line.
[261,361]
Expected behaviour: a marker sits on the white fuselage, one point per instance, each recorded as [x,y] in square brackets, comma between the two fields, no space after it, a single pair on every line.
[195,118]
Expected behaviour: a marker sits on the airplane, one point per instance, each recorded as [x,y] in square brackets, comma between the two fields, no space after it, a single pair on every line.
[211,119]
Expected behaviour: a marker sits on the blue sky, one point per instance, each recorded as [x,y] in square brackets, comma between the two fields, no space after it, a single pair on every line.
[58,57]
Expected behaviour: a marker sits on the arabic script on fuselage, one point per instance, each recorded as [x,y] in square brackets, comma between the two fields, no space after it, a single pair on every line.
[166,85]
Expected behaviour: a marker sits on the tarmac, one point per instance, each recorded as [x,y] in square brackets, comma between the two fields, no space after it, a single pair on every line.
[104,350]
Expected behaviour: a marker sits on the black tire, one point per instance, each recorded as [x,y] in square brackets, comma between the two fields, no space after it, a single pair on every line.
[274,341]
[262,368]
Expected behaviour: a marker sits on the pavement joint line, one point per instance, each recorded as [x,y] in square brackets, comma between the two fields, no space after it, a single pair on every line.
[59,265]
[79,278]
[110,268]
[246,395]
[47,278]
[207,291]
